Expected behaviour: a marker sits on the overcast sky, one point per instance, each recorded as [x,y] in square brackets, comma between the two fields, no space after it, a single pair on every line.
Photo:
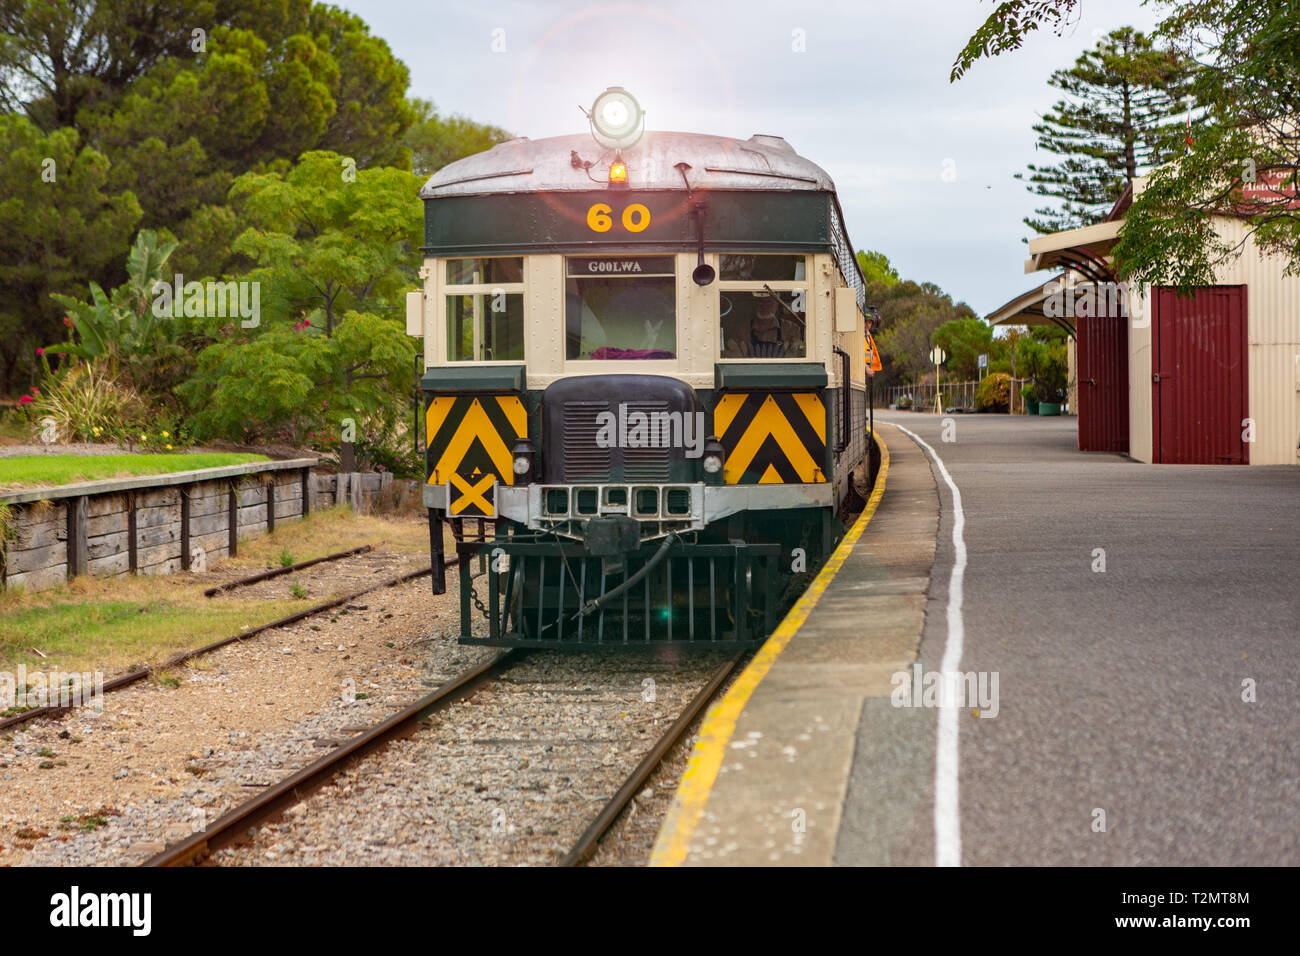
[868,100]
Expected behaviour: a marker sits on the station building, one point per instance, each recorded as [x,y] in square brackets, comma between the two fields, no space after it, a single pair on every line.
[1211,379]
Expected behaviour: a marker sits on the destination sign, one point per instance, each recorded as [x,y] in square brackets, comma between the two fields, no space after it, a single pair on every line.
[619,266]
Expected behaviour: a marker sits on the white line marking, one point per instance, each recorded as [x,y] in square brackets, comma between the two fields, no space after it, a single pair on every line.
[947,807]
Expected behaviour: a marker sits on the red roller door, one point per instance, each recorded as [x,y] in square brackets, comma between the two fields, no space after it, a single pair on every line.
[1198,385]
[1103,383]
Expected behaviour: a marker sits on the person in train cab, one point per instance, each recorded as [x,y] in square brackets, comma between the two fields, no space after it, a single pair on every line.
[771,334]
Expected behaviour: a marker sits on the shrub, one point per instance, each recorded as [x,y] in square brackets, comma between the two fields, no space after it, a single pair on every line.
[395,453]
[86,404]
[994,393]
[1043,362]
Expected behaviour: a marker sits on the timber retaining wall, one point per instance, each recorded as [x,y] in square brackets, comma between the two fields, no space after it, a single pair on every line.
[158,524]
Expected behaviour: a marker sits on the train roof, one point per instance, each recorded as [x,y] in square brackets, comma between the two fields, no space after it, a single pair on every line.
[762,162]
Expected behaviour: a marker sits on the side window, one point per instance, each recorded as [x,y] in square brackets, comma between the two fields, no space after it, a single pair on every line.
[484,301]
[762,307]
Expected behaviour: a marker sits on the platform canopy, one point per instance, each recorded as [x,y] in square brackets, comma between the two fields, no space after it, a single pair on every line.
[1027,308]
[1086,250]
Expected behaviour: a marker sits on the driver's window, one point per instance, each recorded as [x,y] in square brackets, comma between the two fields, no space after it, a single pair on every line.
[762,307]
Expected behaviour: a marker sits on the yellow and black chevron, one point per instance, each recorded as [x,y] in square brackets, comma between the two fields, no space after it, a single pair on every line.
[772,437]
[470,437]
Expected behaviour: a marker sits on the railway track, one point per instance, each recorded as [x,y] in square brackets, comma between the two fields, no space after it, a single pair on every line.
[590,839]
[288,569]
[243,820]
[131,677]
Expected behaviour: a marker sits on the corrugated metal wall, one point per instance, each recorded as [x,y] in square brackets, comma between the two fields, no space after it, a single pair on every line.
[1273,353]
[1273,336]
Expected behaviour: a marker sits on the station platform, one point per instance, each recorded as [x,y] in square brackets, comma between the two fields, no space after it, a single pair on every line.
[769,776]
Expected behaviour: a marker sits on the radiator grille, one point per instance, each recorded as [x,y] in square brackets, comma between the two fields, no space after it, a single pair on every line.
[584,460]
[647,464]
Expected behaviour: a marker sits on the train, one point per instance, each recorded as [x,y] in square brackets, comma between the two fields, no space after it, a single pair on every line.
[644,385]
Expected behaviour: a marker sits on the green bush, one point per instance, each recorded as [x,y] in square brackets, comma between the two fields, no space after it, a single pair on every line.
[394,452]
[994,393]
[87,404]
[1042,357]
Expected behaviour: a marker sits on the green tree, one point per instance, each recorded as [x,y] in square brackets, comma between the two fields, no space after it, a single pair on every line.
[1041,358]
[876,267]
[333,256]
[1246,154]
[170,118]
[184,130]
[54,235]
[965,340]
[372,113]
[1118,119]
[57,56]
[1245,157]
[910,314]
[435,140]
[1009,25]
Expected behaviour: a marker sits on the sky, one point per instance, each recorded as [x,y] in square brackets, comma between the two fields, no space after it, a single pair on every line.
[860,88]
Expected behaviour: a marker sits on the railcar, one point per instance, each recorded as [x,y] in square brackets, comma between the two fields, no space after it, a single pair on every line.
[644,384]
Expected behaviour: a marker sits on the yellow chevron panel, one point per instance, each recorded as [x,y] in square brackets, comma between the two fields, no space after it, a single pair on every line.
[476,425]
[813,409]
[437,414]
[770,421]
[725,411]
[514,412]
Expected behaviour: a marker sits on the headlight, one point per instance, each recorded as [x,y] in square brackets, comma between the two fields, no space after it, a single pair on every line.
[617,117]
[714,456]
[614,114]
[525,458]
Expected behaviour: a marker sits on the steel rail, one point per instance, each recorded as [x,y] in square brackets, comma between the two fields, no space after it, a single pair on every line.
[276,572]
[587,843]
[122,680]
[231,826]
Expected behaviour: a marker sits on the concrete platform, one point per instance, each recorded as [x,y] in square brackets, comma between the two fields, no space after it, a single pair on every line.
[768,779]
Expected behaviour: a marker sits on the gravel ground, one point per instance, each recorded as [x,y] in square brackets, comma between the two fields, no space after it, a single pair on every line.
[510,776]
[110,789]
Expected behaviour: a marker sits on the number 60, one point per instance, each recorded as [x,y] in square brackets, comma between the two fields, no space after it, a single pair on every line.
[635,217]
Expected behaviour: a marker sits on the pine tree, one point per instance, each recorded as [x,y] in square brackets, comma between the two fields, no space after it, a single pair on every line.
[1121,118]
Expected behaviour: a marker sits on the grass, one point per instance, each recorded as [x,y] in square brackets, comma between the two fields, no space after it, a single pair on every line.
[328,532]
[29,471]
[109,624]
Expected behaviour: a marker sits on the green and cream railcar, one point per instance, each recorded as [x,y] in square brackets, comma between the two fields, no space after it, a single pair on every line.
[644,386]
